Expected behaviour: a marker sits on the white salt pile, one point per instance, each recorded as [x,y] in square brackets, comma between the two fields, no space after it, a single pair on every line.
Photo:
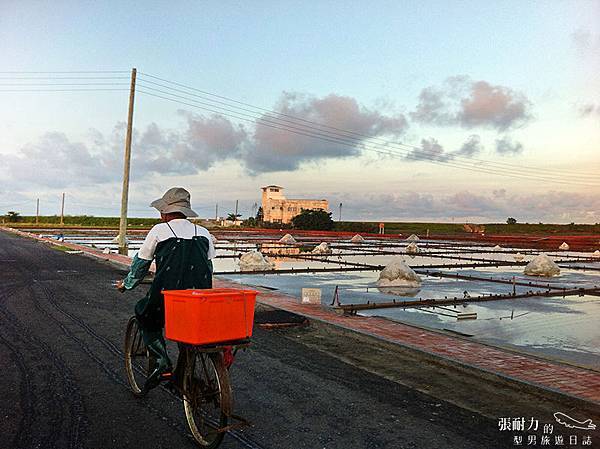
[116,240]
[412,248]
[255,261]
[596,253]
[357,239]
[287,239]
[322,248]
[398,274]
[497,247]
[564,246]
[106,250]
[542,265]
[519,257]
[413,238]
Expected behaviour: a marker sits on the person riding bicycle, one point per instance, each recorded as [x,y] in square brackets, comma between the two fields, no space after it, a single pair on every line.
[182,252]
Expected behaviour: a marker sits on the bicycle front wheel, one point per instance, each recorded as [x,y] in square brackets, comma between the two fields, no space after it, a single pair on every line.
[207,397]
[138,363]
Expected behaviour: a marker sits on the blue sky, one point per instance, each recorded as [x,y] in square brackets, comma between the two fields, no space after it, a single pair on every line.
[543,55]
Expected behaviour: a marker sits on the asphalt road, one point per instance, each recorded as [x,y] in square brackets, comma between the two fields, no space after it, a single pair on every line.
[64,386]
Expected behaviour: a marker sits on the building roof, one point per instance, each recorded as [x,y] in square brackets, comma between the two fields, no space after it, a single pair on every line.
[266,187]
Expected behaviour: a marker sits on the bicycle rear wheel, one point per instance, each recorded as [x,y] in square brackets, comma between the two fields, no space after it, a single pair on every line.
[138,363]
[207,397]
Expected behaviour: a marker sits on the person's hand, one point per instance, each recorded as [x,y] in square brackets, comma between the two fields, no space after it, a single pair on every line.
[120,285]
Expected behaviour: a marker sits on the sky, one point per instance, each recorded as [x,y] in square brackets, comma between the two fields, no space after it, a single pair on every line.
[409,111]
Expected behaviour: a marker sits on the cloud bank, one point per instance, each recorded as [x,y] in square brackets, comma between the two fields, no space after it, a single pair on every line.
[329,127]
[470,104]
[550,206]
[273,149]
[204,141]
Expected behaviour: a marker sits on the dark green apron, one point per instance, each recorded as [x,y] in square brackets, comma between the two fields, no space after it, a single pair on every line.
[180,264]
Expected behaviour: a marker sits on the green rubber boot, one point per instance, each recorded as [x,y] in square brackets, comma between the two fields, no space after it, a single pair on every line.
[162,364]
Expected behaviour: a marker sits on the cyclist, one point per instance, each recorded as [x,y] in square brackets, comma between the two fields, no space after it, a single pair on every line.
[182,252]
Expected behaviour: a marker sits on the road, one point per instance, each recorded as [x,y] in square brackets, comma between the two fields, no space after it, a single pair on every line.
[63,386]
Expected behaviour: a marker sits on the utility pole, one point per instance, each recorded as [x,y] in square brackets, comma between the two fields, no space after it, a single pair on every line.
[62,210]
[216,211]
[236,208]
[37,211]
[122,237]
[340,216]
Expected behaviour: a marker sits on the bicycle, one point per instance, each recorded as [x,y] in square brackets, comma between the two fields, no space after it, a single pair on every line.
[204,387]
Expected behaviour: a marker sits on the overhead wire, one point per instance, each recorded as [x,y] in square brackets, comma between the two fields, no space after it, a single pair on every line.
[361,135]
[20,72]
[64,90]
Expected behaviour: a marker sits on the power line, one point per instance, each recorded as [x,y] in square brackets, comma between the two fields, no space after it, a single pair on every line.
[63,77]
[363,136]
[368,147]
[64,84]
[62,90]
[17,72]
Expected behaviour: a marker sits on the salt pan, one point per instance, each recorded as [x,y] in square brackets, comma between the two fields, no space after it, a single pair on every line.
[542,265]
[322,248]
[357,239]
[255,261]
[287,239]
[398,274]
[412,248]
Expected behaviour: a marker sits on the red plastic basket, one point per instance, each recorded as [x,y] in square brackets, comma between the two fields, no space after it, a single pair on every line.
[209,316]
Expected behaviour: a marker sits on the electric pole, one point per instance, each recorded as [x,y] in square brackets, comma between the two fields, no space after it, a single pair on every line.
[340,216]
[122,237]
[216,211]
[62,210]
[37,211]
[236,209]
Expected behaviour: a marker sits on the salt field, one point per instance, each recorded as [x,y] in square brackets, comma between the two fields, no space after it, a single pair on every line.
[478,291]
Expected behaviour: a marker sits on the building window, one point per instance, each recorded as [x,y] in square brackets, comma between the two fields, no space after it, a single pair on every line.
[274,190]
